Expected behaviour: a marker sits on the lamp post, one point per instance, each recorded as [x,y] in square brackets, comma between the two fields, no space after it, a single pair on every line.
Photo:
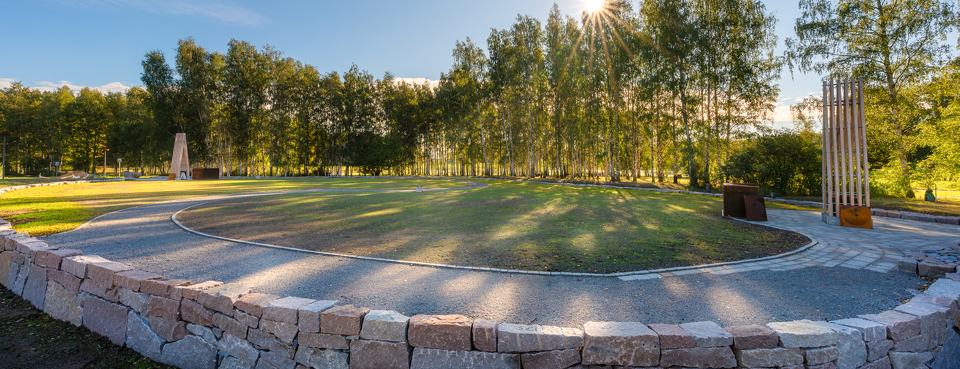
[118,166]
[3,166]
[105,162]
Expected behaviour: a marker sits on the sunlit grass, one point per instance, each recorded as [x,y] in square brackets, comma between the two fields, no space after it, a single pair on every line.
[512,225]
[52,209]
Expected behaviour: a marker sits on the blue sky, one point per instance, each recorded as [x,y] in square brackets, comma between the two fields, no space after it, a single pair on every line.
[100,43]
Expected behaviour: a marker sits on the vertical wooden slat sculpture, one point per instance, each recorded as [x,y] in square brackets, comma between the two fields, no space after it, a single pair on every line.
[180,164]
[846,174]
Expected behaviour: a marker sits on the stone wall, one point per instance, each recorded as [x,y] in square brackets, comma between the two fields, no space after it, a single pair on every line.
[227,325]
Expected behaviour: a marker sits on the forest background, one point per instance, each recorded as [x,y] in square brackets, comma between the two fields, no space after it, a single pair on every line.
[632,92]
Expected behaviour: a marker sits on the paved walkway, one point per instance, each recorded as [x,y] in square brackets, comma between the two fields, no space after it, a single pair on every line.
[875,249]
[800,287]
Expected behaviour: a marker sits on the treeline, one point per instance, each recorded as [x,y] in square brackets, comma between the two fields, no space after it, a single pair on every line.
[619,93]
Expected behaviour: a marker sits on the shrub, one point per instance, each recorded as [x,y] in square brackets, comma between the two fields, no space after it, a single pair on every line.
[779,161]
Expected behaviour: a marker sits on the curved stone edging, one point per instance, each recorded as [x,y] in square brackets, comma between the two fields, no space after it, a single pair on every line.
[813,242]
[215,325]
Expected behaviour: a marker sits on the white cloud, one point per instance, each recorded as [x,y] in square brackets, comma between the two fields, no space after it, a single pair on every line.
[48,86]
[221,10]
[419,81]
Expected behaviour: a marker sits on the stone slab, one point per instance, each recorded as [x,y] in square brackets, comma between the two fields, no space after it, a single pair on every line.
[167,288]
[191,352]
[485,335]
[131,279]
[238,348]
[909,360]
[616,343]
[852,350]
[515,338]
[162,307]
[322,341]
[51,258]
[104,318]
[67,280]
[308,316]
[550,359]
[193,312]
[708,334]
[699,357]
[141,338]
[322,359]
[286,332]
[870,330]
[384,325]
[945,288]
[820,355]
[803,333]
[192,291]
[77,265]
[379,355]
[102,272]
[267,341]
[169,330]
[285,309]
[769,357]
[900,326]
[35,287]
[62,304]
[750,337]
[230,325]
[673,337]
[949,357]
[222,298]
[878,349]
[424,358]
[343,320]
[445,332]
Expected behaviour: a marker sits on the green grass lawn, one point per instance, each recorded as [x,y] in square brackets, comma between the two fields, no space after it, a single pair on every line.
[52,209]
[508,225]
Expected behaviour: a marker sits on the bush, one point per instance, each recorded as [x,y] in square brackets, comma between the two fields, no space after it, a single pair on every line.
[890,181]
[779,161]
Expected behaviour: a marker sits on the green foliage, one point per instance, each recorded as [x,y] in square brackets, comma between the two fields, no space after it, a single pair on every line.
[779,161]
[890,181]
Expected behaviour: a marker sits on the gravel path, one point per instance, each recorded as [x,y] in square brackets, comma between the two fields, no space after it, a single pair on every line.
[146,238]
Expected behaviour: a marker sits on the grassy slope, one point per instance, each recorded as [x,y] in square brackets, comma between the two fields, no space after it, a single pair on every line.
[52,209]
[508,225]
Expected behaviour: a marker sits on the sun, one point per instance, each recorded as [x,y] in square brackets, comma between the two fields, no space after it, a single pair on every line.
[593,6]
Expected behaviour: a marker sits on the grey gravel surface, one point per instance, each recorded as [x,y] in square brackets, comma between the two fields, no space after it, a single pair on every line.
[146,238]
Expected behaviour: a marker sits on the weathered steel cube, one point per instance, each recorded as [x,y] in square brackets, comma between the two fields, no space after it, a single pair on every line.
[733,204]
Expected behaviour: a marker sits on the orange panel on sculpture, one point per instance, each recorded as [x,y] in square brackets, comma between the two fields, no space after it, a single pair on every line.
[856,216]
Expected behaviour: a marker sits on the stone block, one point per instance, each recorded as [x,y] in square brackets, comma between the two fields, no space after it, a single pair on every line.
[231,362]
[750,337]
[135,300]
[919,343]
[246,319]
[94,288]
[162,307]
[445,332]
[485,335]
[878,349]
[823,366]
[322,341]
[253,303]
[951,305]
[614,343]
[62,304]
[230,325]
[192,291]
[699,357]
[949,355]
[384,325]
[193,312]
[51,258]
[900,326]
[379,355]
[275,360]
[18,277]
[167,288]
[444,359]
[131,279]
[67,280]
[285,309]
[191,352]
[673,337]
[5,260]
[948,220]
[32,247]
[945,288]
[169,330]
[102,272]
[141,338]
[935,270]
[803,333]
[909,360]
[769,357]
[850,346]
[238,348]
[883,363]
[35,287]
[550,359]
[907,266]
[343,320]
[708,334]
[203,332]
[869,330]
[324,359]
[308,316]
[267,341]
[221,298]
[286,332]
[932,317]
[104,318]
[820,355]
[517,338]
